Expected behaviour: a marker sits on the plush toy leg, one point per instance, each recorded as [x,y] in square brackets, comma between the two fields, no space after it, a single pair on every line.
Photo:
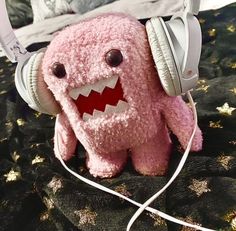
[65,136]
[179,118]
[106,165]
[152,158]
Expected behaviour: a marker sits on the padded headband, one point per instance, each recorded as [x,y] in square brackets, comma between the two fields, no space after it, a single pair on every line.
[185,39]
[192,6]
[190,40]
[179,40]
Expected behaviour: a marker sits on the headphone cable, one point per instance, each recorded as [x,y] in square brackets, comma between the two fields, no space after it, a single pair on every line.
[145,205]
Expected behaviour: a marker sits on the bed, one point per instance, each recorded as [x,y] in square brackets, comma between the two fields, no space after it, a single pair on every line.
[37,194]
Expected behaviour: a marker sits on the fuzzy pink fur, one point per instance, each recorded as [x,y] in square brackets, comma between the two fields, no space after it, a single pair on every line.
[143,127]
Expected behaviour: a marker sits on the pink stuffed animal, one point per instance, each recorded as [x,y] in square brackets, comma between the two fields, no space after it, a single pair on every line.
[102,74]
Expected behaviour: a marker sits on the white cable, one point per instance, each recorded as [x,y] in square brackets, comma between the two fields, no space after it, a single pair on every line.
[105,189]
[177,171]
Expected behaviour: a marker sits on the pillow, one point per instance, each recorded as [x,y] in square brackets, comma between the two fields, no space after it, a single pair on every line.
[20,12]
[83,6]
[43,9]
[49,8]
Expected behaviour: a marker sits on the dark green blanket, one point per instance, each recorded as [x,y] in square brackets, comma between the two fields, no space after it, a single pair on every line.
[36,193]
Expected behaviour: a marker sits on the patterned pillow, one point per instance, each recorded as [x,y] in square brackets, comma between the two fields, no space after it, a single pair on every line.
[83,6]
[50,8]
[19,12]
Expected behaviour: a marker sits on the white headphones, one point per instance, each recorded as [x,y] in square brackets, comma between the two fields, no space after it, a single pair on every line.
[176,49]
[28,76]
[175,45]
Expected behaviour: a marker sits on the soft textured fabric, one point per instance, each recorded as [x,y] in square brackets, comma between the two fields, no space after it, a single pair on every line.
[43,31]
[83,6]
[19,12]
[43,9]
[36,194]
[141,127]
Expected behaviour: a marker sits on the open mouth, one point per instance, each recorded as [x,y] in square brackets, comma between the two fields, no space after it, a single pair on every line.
[101,98]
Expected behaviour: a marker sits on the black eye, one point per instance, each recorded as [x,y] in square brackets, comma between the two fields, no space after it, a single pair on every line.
[114,58]
[58,69]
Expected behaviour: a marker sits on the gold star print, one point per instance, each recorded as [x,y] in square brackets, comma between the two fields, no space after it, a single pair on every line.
[12,176]
[122,189]
[3,92]
[233,90]
[232,65]
[231,28]
[15,156]
[202,85]
[199,187]
[37,159]
[202,20]
[55,184]
[158,221]
[191,221]
[233,142]
[44,216]
[201,81]
[5,204]
[49,203]
[20,122]
[203,88]
[2,140]
[233,224]
[86,216]
[216,124]
[37,114]
[224,161]
[9,124]
[226,109]
[231,218]
[34,145]
[212,32]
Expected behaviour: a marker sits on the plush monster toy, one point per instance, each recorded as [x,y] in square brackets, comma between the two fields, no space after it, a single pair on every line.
[102,74]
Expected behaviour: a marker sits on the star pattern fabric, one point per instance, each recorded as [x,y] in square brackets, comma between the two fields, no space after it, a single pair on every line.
[37,194]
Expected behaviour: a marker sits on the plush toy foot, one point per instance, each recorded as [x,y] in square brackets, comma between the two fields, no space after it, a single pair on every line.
[152,157]
[106,165]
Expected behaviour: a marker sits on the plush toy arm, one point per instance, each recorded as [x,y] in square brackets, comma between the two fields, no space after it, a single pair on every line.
[65,136]
[179,118]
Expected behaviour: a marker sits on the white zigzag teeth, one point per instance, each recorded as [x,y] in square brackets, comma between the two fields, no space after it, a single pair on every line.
[112,82]
[119,108]
[86,117]
[98,87]
[109,109]
[97,113]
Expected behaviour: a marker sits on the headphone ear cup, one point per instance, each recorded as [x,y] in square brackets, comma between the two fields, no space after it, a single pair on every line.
[41,98]
[163,56]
